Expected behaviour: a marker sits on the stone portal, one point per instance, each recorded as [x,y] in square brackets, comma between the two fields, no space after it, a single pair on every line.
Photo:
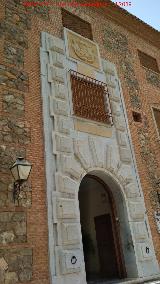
[75,147]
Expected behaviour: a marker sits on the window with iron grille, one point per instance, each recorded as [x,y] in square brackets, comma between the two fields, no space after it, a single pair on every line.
[90,98]
[148,61]
[156,113]
[76,24]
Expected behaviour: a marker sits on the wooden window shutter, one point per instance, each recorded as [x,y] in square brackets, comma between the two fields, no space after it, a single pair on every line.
[148,61]
[76,24]
[157,118]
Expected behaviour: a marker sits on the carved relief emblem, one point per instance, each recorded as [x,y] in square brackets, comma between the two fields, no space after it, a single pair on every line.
[83,49]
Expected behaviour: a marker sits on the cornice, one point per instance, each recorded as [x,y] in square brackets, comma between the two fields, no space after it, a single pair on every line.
[128,21]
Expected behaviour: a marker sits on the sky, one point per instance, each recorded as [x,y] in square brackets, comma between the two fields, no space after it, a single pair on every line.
[146,10]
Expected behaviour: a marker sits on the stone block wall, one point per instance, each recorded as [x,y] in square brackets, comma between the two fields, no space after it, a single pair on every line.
[20,265]
[23,225]
[24,234]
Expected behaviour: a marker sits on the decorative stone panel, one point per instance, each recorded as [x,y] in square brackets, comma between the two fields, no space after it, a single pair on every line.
[81,149]
[121,139]
[119,123]
[140,230]
[58,90]
[99,152]
[55,73]
[115,108]
[54,44]
[110,80]
[131,190]
[56,59]
[125,154]
[136,210]
[66,184]
[63,124]
[68,165]
[70,261]
[62,143]
[58,107]
[66,208]
[145,251]
[68,234]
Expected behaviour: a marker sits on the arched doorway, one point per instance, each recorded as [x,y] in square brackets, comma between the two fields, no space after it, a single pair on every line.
[101,237]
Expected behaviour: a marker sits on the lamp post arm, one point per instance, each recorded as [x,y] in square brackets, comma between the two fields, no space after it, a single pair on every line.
[16,190]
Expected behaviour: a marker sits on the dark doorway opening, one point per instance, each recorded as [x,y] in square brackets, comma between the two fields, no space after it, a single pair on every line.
[100,232]
[105,246]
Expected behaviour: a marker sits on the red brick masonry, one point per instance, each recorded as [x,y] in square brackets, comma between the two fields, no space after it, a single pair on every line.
[74,4]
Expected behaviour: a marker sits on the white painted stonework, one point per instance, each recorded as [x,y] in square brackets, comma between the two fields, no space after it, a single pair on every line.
[71,154]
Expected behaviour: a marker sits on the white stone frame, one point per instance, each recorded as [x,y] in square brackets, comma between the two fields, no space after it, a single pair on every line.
[70,155]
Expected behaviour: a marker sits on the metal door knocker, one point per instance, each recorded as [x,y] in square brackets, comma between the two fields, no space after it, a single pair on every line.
[73,260]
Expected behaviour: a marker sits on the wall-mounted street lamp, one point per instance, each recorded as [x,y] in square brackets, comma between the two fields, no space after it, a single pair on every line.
[20,170]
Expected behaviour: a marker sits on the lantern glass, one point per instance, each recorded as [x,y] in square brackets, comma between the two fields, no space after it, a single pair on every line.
[24,171]
[14,171]
[21,169]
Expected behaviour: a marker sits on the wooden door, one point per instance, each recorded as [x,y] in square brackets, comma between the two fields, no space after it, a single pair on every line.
[106,246]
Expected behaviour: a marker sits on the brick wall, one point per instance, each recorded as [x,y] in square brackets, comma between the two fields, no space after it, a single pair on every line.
[21,125]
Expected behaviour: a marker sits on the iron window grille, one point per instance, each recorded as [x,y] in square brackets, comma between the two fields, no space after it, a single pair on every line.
[90,98]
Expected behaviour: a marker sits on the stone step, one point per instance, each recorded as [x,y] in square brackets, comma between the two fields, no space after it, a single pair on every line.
[126,281]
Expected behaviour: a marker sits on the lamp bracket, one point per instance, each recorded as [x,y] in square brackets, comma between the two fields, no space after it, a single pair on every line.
[16,190]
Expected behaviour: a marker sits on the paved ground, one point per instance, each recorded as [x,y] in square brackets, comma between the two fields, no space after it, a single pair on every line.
[116,281]
[127,281]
